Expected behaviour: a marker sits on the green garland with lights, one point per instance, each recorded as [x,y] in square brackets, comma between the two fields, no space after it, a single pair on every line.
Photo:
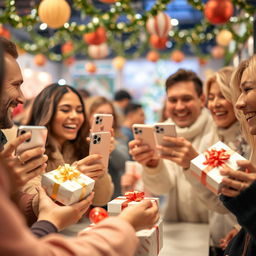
[135,27]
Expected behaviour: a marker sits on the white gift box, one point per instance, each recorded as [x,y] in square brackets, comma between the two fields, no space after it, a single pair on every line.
[67,185]
[118,204]
[208,174]
[151,240]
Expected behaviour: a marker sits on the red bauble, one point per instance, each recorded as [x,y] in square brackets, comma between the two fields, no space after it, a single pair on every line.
[218,11]
[97,37]
[158,42]
[153,56]
[67,48]
[97,214]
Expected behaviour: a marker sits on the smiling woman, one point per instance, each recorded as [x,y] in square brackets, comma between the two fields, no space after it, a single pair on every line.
[61,110]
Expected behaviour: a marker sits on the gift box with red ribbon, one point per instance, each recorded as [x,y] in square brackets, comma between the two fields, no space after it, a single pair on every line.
[206,166]
[67,185]
[118,204]
[151,240]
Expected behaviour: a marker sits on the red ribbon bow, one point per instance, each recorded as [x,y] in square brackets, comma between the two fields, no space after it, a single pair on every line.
[215,158]
[134,196]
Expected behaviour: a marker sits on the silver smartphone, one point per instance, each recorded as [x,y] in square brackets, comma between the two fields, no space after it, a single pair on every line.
[102,122]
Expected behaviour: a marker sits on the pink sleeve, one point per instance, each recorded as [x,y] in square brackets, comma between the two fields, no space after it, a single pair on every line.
[112,236]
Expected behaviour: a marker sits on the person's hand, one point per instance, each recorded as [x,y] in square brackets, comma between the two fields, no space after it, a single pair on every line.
[91,166]
[61,216]
[237,181]
[178,150]
[28,164]
[141,216]
[142,153]
[225,241]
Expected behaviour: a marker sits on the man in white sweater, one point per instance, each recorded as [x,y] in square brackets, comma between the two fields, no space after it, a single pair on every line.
[185,107]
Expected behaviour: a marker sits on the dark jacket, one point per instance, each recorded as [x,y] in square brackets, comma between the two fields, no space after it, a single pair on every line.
[244,208]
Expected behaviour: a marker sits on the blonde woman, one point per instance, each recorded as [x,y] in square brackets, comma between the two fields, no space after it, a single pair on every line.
[239,191]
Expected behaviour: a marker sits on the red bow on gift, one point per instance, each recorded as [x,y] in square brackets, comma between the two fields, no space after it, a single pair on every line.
[215,158]
[134,196]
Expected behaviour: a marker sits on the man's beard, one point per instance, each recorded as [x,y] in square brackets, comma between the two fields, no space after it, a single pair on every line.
[5,119]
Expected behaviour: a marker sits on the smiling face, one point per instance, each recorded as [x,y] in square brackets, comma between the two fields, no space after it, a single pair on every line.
[12,94]
[183,103]
[247,100]
[68,118]
[222,110]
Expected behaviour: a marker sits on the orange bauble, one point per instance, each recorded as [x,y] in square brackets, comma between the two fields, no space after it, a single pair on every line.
[158,42]
[90,67]
[55,13]
[108,1]
[67,48]
[177,56]
[40,60]
[218,52]
[97,37]
[224,37]
[153,56]
[218,11]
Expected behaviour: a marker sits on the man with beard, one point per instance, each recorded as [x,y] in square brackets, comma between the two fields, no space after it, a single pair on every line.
[185,107]
[31,162]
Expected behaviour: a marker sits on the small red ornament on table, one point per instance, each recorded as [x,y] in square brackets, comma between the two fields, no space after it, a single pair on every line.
[97,214]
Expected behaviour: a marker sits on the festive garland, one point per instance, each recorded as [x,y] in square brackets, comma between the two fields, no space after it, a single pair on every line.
[134,27]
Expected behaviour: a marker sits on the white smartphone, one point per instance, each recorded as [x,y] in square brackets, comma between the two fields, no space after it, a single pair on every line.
[145,132]
[100,143]
[38,137]
[102,122]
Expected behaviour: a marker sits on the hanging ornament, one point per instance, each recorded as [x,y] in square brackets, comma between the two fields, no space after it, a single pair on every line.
[97,37]
[224,37]
[153,56]
[159,25]
[118,62]
[158,42]
[97,214]
[202,61]
[217,52]
[67,48]
[69,61]
[55,13]
[218,11]
[90,67]
[5,32]
[177,56]
[98,51]
[40,60]
[108,1]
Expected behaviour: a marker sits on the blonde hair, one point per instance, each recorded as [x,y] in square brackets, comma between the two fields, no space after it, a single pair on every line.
[250,66]
[223,78]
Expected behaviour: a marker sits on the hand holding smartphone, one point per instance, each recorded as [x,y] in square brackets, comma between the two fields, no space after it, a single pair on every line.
[146,134]
[100,144]
[161,130]
[102,123]
[37,139]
